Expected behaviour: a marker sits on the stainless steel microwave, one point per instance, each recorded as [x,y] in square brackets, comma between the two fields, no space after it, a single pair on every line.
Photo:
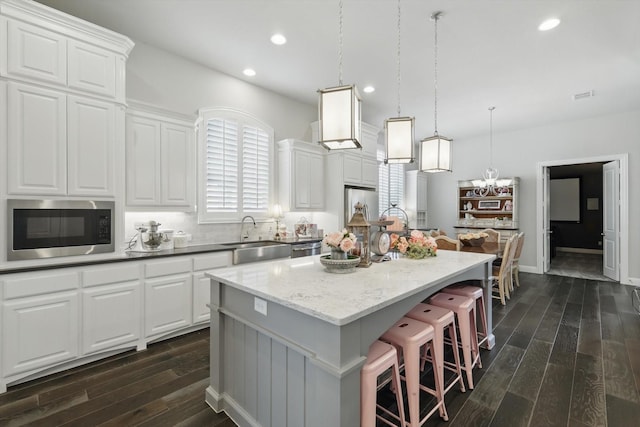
[54,228]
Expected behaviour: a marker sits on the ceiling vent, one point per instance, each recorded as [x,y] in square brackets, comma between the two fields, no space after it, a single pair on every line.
[582,95]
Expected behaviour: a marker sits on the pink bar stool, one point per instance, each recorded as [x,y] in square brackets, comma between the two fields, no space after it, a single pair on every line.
[380,359]
[477,294]
[441,319]
[410,335]
[464,308]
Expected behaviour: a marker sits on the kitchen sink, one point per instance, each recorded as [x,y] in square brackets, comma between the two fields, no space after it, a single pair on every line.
[244,252]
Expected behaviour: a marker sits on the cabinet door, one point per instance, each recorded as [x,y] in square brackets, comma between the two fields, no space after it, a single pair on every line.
[370,172]
[37,140]
[178,165]
[201,297]
[39,331]
[91,147]
[91,69]
[36,53]
[316,181]
[143,161]
[111,316]
[167,304]
[301,179]
[352,165]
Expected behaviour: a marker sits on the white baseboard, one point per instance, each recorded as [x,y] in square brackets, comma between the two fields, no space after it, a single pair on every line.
[580,250]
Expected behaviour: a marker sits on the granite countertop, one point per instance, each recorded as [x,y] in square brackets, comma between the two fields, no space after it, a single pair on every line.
[304,285]
[64,262]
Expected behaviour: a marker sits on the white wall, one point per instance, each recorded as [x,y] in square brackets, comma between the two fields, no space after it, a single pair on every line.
[518,154]
[172,83]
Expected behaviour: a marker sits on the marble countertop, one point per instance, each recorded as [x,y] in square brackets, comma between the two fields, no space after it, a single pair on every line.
[304,285]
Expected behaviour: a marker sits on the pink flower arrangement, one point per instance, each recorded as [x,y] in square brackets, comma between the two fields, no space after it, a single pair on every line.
[342,240]
[417,245]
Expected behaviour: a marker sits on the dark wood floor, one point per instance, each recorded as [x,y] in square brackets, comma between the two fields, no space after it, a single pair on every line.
[567,354]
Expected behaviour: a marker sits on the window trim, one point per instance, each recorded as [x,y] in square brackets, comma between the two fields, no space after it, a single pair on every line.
[243,118]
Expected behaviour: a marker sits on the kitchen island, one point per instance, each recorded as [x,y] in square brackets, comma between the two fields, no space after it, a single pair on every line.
[288,339]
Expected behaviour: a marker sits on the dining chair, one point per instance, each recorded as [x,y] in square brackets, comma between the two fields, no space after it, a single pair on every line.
[515,267]
[494,235]
[447,243]
[502,273]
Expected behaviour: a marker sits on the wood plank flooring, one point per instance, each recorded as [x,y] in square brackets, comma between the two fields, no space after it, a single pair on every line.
[567,354]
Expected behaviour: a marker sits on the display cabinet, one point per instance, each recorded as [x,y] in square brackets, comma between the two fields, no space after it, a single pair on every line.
[488,207]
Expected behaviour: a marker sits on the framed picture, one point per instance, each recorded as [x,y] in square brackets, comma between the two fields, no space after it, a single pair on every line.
[489,204]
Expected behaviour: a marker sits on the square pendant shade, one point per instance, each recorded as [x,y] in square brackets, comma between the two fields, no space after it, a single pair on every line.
[339,110]
[435,154]
[399,140]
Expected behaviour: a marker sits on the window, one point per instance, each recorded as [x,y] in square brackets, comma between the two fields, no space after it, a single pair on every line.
[236,155]
[390,184]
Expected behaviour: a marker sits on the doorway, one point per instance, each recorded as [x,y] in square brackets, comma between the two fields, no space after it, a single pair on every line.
[619,248]
[576,221]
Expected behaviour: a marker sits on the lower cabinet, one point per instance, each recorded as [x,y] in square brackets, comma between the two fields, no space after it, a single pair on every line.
[110,307]
[167,302]
[40,321]
[54,319]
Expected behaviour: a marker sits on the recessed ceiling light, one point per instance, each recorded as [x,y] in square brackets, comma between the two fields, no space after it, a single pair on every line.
[278,39]
[249,72]
[549,24]
[369,89]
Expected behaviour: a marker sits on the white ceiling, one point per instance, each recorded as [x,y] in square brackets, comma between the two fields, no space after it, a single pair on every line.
[490,53]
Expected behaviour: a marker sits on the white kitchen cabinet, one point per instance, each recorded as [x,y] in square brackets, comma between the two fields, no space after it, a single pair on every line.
[35,53]
[160,171]
[91,142]
[416,198]
[92,69]
[202,283]
[300,175]
[40,321]
[37,140]
[111,307]
[168,289]
[60,144]
[357,170]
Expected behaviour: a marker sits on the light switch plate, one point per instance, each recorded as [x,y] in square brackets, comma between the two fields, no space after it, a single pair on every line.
[260,305]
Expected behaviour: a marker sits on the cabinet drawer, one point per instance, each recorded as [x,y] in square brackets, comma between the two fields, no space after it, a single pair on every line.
[24,285]
[167,267]
[207,262]
[105,275]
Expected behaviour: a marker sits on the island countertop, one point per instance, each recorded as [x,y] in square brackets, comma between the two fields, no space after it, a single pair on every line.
[304,285]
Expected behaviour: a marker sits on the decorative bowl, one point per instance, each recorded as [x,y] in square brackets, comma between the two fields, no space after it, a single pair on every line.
[472,242]
[340,266]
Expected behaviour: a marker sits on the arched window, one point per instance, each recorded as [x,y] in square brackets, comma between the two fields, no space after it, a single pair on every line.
[236,166]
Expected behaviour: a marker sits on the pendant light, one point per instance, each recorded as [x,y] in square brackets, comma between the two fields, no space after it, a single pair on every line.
[339,109]
[490,183]
[399,131]
[435,151]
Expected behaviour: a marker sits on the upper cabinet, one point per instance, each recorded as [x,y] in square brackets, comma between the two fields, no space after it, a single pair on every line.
[300,175]
[45,46]
[160,159]
[65,84]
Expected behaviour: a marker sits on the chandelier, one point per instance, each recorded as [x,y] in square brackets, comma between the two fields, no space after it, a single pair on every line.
[399,131]
[490,185]
[339,109]
[435,151]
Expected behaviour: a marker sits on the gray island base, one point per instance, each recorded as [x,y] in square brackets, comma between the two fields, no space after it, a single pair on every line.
[288,339]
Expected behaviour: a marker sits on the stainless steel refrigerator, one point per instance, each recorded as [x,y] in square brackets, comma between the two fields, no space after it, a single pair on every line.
[366,196]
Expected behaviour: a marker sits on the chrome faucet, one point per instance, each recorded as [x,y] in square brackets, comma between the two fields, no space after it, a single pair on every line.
[242,227]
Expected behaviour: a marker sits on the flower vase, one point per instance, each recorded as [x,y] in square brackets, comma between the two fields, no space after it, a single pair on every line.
[338,254]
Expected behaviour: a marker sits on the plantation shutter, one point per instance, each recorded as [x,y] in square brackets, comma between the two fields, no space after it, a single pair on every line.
[255,170]
[390,184]
[383,183]
[222,165]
